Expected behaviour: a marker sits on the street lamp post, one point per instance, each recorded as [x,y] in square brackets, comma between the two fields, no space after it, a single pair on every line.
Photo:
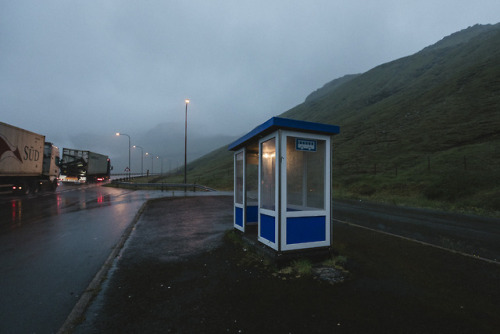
[185,143]
[142,158]
[124,134]
[152,157]
[161,163]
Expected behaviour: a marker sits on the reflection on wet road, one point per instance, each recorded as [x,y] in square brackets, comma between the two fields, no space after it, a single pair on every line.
[52,245]
[16,210]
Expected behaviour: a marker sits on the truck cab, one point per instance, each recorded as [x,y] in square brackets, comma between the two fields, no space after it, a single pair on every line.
[51,162]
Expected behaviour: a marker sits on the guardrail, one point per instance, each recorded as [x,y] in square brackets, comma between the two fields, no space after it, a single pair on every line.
[163,186]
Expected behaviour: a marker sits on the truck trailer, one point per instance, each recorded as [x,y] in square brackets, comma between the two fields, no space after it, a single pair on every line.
[80,166]
[27,162]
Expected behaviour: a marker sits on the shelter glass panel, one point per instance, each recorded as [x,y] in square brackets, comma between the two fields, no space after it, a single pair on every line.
[239,178]
[252,178]
[268,175]
[305,171]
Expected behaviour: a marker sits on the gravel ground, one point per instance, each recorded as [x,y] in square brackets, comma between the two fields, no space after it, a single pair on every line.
[177,275]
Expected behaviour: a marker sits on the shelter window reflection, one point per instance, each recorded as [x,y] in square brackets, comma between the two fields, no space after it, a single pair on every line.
[268,175]
[239,178]
[305,176]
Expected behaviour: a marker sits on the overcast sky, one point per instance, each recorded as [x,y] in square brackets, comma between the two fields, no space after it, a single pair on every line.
[74,69]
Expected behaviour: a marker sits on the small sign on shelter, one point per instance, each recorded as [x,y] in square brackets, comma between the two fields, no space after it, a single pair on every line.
[282,183]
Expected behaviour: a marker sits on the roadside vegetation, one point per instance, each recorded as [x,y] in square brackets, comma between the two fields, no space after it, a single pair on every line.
[331,269]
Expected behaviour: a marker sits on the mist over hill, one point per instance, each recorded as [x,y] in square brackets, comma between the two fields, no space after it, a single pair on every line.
[329,87]
[165,140]
[421,129]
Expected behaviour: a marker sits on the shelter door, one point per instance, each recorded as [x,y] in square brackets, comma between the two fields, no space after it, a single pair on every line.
[305,190]
[239,190]
[268,217]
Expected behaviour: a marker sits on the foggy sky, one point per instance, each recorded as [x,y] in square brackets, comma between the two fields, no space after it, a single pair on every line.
[79,71]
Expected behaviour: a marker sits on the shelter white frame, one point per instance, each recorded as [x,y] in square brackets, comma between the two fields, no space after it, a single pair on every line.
[281,226]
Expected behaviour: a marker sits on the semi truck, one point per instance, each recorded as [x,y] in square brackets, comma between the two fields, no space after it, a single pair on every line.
[80,166]
[27,162]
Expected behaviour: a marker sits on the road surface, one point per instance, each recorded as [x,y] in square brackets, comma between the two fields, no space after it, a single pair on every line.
[52,245]
[468,234]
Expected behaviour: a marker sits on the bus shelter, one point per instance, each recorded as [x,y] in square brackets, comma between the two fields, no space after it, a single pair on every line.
[282,183]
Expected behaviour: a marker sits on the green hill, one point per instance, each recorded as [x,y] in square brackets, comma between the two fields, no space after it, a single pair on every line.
[421,130]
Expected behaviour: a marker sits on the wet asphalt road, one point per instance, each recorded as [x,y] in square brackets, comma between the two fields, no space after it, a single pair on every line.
[52,245]
[469,234]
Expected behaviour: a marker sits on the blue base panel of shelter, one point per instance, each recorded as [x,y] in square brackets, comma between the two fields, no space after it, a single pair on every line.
[267,228]
[252,214]
[305,229]
[238,216]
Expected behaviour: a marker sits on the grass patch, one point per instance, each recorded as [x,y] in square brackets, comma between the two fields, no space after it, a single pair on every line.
[338,262]
[246,254]
[302,267]
[232,237]
[298,268]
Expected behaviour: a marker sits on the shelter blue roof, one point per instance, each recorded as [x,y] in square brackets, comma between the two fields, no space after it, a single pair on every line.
[276,123]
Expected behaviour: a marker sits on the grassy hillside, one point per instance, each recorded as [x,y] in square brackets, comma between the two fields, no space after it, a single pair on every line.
[424,128]
[421,130]
[214,170]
